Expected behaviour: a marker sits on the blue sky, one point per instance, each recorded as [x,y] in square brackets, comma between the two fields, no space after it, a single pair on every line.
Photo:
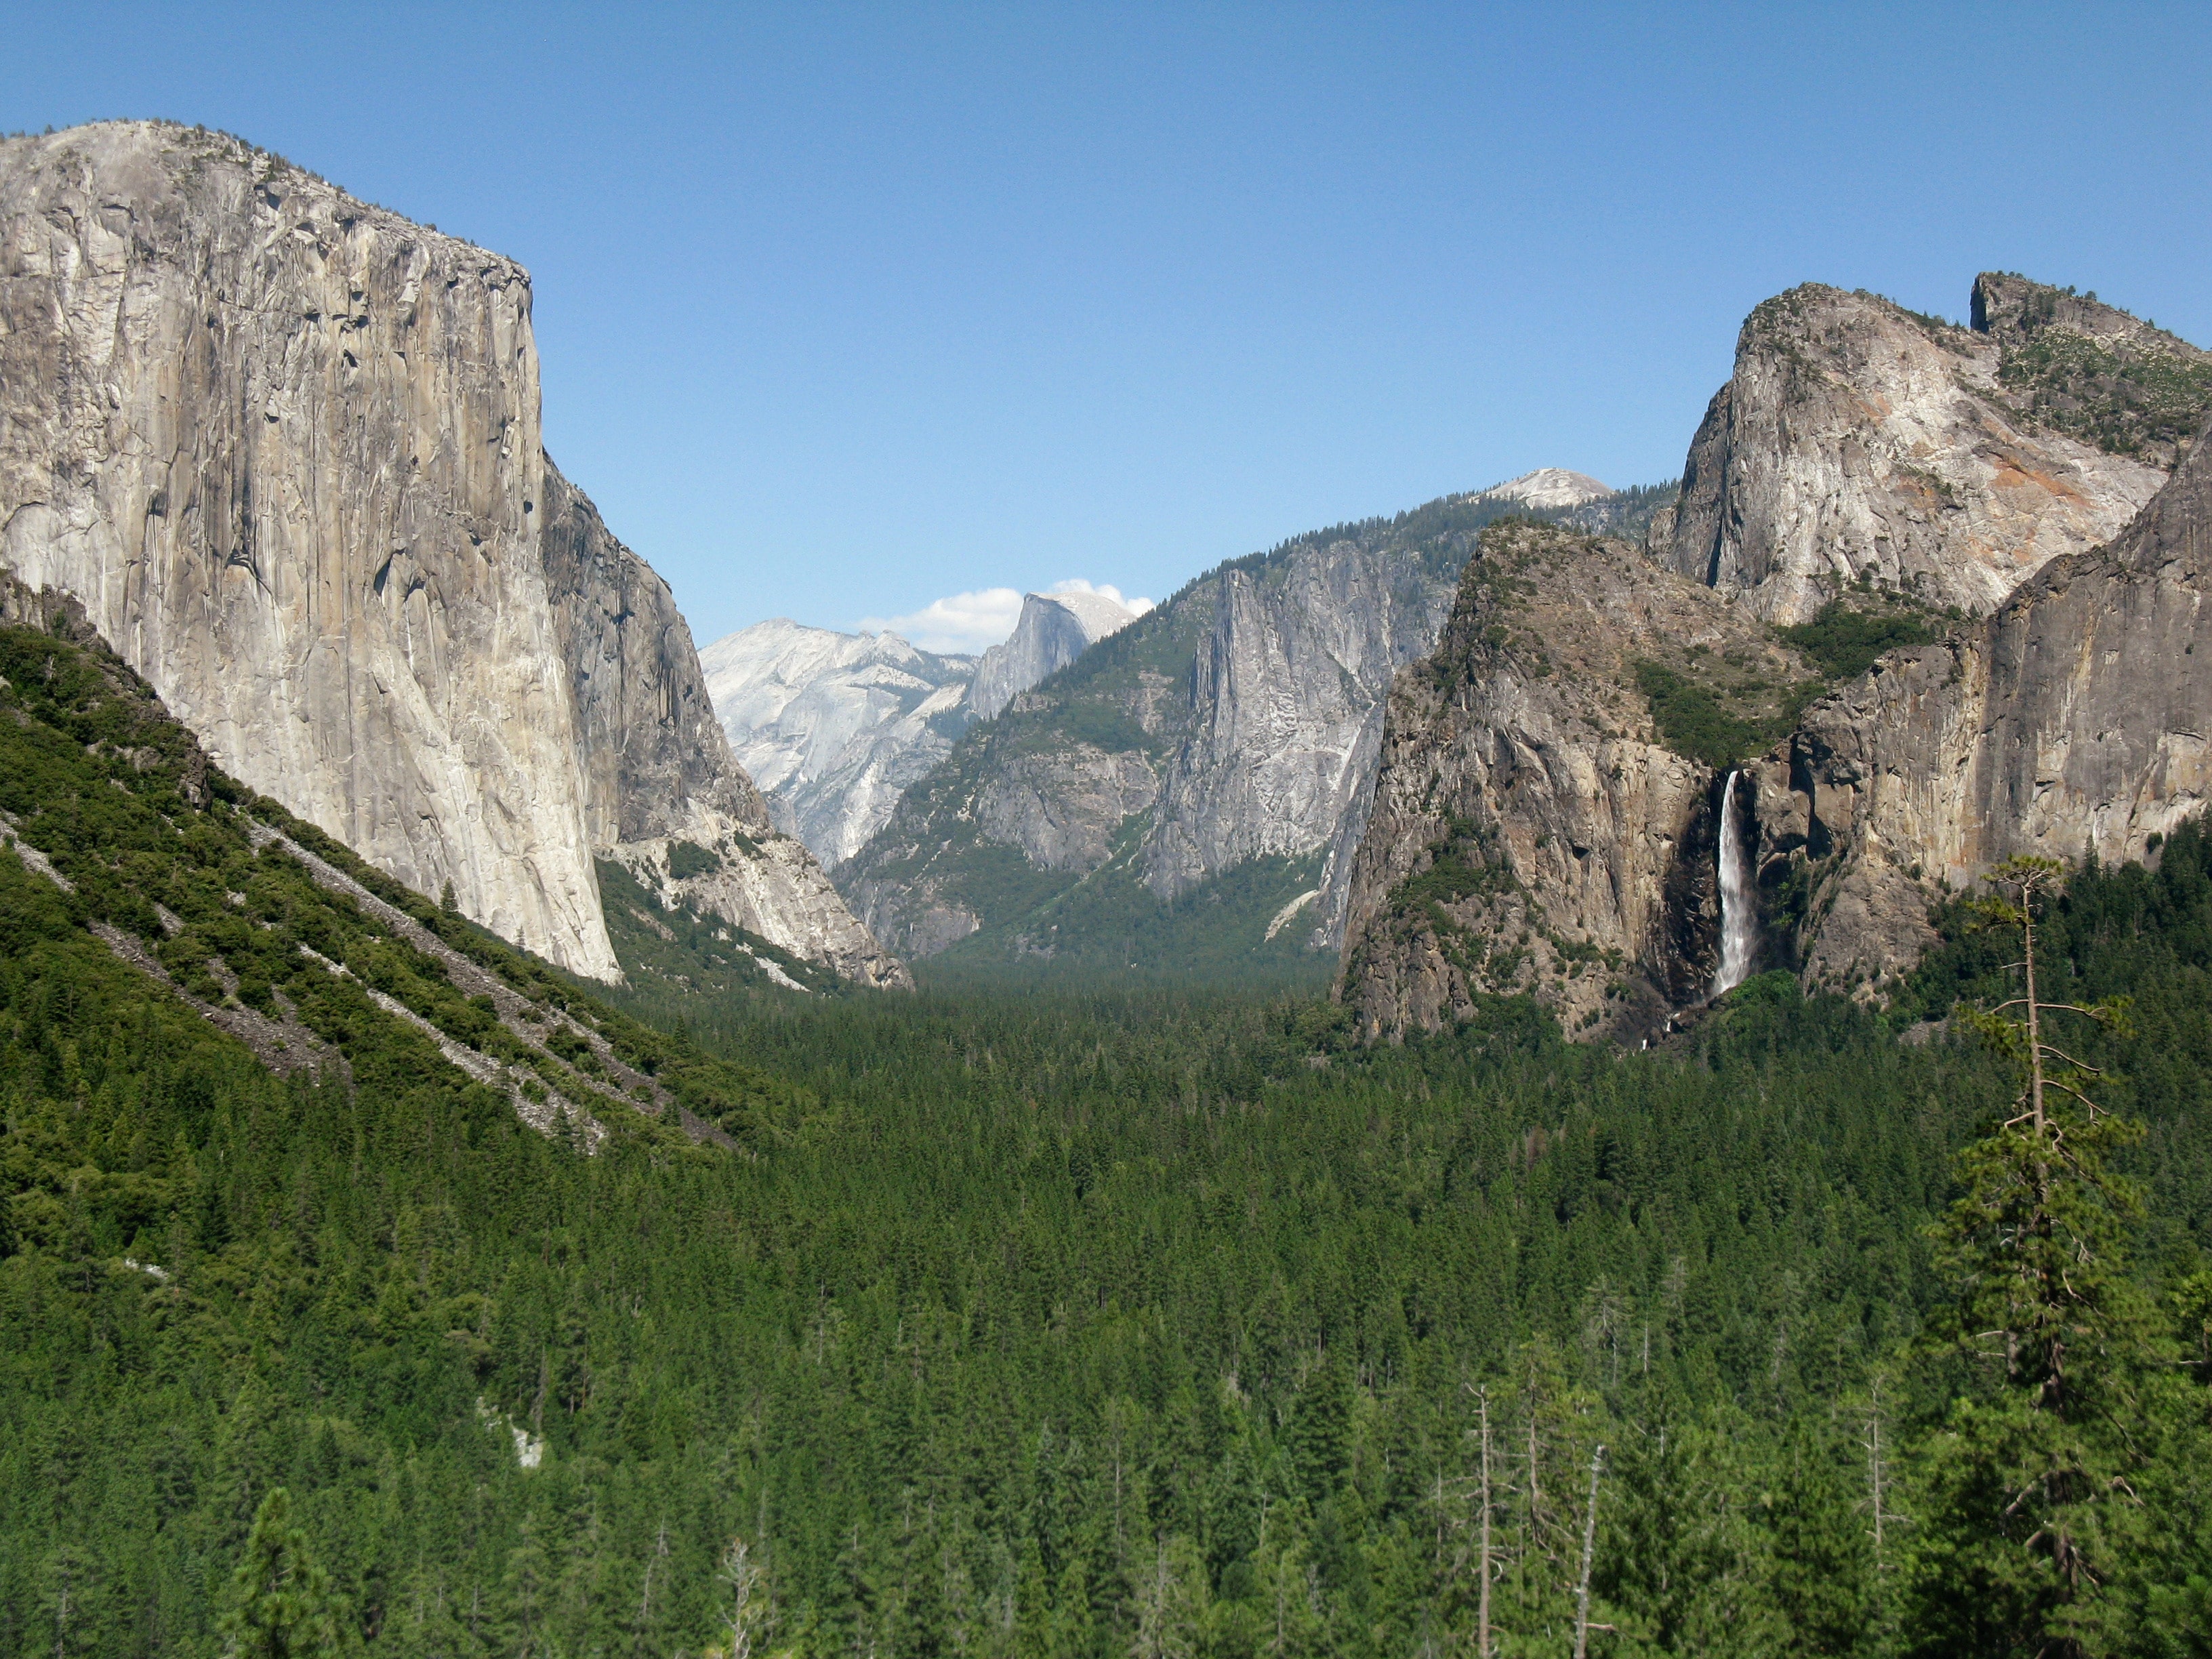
[845,310]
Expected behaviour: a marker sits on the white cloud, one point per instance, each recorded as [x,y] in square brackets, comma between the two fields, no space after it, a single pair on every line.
[1076,584]
[960,622]
[976,621]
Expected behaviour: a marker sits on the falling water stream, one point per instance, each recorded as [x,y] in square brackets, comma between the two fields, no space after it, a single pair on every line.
[1736,906]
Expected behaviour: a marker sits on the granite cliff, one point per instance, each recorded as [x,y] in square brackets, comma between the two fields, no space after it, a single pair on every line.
[1929,594]
[2073,723]
[284,448]
[835,726]
[1536,827]
[1052,630]
[1858,440]
[663,794]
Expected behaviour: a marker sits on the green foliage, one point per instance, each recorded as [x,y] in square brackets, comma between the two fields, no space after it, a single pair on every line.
[1844,641]
[1109,699]
[674,955]
[283,1607]
[2056,1492]
[1463,862]
[1698,717]
[1108,927]
[687,858]
[1059,1320]
[2133,395]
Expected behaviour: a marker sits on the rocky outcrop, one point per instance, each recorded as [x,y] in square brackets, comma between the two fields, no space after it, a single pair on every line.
[2076,722]
[1053,631]
[769,883]
[1858,442]
[1534,831]
[1284,717]
[284,448]
[659,775]
[2093,372]
[1550,488]
[832,726]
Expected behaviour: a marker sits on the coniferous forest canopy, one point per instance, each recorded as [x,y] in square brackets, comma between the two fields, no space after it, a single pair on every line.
[1081,1323]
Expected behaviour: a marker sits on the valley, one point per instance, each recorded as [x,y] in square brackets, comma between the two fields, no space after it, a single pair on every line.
[1566,1069]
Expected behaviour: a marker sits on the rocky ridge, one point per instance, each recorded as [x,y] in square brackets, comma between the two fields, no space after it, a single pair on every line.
[284,446]
[1234,727]
[2068,720]
[2072,724]
[1052,630]
[658,774]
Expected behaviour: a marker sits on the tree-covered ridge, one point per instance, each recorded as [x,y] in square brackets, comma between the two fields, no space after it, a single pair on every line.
[2093,372]
[1158,1323]
[279,934]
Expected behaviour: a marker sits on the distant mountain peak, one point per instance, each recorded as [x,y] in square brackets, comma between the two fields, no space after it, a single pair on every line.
[1549,489]
[1055,629]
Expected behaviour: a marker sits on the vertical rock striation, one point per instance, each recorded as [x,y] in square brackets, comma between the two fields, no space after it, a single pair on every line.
[1547,797]
[658,773]
[284,448]
[1239,721]
[1533,829]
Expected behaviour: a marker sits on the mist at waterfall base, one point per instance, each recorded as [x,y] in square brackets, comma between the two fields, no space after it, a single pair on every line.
[1736,904]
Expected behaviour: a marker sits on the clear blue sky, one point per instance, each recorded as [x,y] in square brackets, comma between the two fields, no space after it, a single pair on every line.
[843,309]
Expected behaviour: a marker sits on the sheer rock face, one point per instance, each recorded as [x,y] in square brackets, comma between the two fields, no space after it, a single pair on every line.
[284,448]
[1053,631]
[1531,831]
[1287,714]
[656,766]
[2073,722]
[834,726]
[1855,439]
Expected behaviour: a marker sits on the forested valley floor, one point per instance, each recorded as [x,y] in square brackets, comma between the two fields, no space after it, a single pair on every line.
[1063,1324]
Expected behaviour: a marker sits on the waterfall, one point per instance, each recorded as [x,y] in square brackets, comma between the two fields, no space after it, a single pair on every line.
[1737,917]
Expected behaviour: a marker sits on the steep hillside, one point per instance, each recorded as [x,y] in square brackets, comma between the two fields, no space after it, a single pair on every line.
[284,448]
[1528,829]
[272,934]
[1545,812]
[1858,440]
[834,726]
[664,798]
[2093,372]
[1230,724]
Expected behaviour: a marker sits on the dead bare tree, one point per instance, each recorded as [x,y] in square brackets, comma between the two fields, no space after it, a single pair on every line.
[746,1618]
[1482,1592]
[1589,1550]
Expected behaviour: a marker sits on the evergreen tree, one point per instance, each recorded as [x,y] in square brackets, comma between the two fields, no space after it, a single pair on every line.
[2036,1487]
[282,1606]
